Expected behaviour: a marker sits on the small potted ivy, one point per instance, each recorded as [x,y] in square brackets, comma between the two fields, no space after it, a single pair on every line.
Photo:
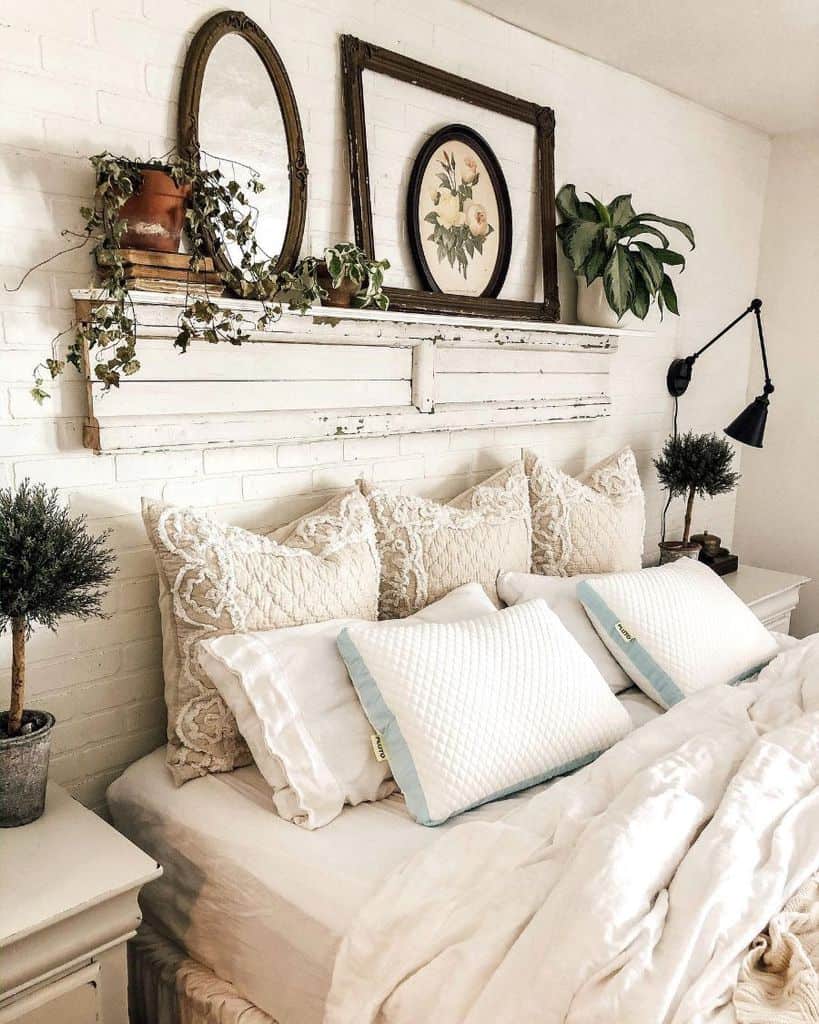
[613,251]
[50,566]
[344,277]
[692,465]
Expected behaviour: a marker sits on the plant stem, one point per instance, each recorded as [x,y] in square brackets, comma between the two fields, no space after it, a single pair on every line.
[18,675]
[689,506]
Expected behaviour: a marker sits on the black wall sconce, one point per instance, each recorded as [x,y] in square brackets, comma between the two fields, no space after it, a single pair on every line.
[749,426]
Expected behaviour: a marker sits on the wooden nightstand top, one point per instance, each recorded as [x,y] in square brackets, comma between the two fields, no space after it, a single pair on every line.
[63,864]
[753,584]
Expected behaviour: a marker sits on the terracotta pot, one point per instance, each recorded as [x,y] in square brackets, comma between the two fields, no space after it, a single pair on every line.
[24,769]
[343,295]
[155,214]
[671,550]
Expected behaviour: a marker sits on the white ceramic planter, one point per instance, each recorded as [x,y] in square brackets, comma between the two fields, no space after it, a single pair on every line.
[592,308]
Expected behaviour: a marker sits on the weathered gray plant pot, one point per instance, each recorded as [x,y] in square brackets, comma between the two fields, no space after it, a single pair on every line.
[672,550]
[24,769]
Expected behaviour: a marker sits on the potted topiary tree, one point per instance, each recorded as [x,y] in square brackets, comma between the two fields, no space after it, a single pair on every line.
[50,566]
[693,464]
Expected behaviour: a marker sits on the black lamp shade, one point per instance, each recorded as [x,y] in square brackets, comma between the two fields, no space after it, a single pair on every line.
[749,426]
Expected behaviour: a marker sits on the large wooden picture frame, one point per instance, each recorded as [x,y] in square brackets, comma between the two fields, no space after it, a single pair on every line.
[357,57]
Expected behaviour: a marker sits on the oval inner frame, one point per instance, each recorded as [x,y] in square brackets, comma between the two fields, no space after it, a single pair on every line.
[468,136]
[193,73]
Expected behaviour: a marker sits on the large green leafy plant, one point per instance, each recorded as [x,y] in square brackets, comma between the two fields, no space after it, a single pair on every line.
[613,242]
[696,464]
[50,566]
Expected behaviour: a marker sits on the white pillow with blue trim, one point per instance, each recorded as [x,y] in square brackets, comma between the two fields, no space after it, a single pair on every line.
[468,712]
[676,628]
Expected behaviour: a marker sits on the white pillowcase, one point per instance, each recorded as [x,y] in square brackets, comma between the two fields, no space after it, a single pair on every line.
[296,709]
[676,628]
[560,593]
[468,712]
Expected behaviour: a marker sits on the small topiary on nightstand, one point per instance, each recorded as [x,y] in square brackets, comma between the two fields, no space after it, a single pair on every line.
[695,464]
[50,567]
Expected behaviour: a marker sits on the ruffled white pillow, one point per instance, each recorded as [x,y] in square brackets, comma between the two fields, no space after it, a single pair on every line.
[300,716]
[592,524]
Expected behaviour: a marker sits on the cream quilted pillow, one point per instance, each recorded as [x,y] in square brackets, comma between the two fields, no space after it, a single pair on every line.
[592,524]
[428,549]
[221,579]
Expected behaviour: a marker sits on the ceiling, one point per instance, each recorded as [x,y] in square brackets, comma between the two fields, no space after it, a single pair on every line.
[754,60]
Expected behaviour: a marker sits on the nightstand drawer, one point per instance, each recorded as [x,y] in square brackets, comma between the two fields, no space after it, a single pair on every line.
[73,999]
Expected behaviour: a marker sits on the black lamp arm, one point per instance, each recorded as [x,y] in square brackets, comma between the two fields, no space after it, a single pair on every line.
[679,373]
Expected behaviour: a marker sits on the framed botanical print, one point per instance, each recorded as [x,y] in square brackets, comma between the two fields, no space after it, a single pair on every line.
[459,216]
[477,237]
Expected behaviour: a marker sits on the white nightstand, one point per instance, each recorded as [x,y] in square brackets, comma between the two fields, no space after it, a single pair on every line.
[772,596]
[68,904]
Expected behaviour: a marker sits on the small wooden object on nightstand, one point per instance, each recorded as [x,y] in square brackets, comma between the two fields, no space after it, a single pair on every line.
[771,596]
[68,904]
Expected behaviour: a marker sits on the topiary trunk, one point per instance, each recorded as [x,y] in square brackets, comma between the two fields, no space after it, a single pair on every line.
[18,675]
[689,507]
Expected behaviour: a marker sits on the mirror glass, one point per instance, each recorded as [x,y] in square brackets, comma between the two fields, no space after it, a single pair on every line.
[241,127]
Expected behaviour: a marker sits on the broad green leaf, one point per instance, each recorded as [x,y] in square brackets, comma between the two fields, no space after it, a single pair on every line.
[652,264]
[580,242]
[669,295]
[587,211]
[618,280]
[566,202]
[641,300]
[643,275]
[602,210]
[673,259]
[635,228]
[621,210]
[595,264]
[678,225]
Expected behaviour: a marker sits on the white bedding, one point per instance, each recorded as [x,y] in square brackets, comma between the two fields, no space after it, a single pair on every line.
[261,902]
[628,892]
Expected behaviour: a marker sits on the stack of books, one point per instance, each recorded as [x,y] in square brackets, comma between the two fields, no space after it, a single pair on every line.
[166,272]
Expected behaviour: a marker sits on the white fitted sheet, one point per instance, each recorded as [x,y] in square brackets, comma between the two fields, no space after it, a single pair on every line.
[262,903]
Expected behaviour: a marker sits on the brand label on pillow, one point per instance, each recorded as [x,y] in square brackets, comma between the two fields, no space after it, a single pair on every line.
[624,633]
[378,747]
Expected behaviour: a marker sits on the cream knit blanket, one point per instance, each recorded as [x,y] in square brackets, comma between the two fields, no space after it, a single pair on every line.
[778,981]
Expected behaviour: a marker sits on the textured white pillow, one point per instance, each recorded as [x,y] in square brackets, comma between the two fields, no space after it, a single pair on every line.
[427,548]
[470,711]
[592,524]
[294,705]
[676,628]
[560,594]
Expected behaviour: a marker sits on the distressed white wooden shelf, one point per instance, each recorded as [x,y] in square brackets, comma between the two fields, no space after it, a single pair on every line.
[342,373]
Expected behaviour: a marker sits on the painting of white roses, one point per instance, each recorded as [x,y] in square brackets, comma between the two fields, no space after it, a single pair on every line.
[460,219]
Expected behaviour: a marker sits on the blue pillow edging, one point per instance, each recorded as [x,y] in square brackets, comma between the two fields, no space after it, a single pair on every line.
[384,722]
[634,652]
[398,753]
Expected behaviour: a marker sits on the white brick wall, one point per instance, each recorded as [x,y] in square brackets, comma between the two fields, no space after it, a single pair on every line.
[81,76]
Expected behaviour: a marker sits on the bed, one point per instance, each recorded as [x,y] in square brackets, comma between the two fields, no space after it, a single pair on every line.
[261,904]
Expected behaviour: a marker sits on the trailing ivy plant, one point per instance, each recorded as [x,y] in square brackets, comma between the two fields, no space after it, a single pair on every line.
[219,214]
[609,241]
[344,261]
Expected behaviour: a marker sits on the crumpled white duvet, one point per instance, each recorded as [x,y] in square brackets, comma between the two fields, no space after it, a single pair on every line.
[626,894]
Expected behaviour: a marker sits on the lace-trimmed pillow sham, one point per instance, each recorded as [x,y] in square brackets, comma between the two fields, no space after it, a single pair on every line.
[428,549]
[221,579]
[592,524]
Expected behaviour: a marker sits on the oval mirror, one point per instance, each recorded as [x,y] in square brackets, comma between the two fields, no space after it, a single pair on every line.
[238,113]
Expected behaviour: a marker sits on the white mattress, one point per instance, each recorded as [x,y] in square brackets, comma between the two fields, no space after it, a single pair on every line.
[261,902]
